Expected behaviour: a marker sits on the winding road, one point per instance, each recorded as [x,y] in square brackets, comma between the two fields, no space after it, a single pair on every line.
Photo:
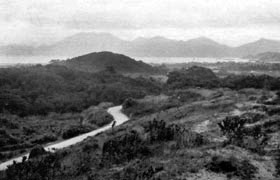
[115,111]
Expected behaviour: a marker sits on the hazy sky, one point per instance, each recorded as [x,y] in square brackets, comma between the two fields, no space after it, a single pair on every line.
[228,21]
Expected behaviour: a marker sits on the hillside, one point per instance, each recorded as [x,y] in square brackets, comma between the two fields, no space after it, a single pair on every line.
[260,46]
[99,61]
[163,47]
[266,57]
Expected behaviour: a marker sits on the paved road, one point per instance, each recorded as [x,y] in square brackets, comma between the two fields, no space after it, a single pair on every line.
[115,111]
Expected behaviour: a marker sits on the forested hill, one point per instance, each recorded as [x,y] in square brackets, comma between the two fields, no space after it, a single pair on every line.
[98,61]
[54,88]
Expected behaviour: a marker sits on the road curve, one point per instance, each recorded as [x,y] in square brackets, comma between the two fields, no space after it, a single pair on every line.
[115,111]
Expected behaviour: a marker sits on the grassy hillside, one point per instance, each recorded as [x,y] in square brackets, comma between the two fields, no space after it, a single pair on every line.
[184,141]
[185,130]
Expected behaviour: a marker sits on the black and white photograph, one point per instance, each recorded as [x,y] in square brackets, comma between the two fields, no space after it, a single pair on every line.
[139,90]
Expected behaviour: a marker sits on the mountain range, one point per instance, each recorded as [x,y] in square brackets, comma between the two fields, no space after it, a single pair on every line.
[158,46]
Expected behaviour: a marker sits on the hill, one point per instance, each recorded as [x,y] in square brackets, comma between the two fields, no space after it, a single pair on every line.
[260,46]
[266,57]
[99,61]
[193,76]
[84,43]
[163,47]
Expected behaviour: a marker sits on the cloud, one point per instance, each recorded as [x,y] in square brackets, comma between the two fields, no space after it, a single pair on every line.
[135,16]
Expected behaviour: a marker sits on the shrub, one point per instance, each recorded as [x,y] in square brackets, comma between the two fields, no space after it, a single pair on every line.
[96,116]
[124,148]
[36,152]
[160,131]
[45,139]
[252,117]
[44,168]
[195,76]
[232,166]
[149,105]
[232,127]
[188,139]
[128,103]
[140,170]
[253,138]
[75,131]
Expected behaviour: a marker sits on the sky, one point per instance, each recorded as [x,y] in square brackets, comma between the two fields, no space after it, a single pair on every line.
[232,22]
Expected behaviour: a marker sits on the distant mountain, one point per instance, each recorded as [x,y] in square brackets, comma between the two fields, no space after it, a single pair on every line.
[163,47]
[265,57]
[17,50]
[260,46]
[142,47]
[158,46]
[100,61]
[84,43]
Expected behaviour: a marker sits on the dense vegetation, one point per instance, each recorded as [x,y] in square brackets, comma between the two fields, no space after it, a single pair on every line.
[41,104]
[192,77]
[52,88]
[203,77]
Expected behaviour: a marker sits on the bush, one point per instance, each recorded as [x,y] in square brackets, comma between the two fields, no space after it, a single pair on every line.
[149,105]
[44,168]
[124,148]
[97,116]
[195,76]
[233,127]
[159,131]
[252,117]
[45,139]
[37,152]
[188,139]
[140,170]
[253,138]
[129,102]
[232,167]
[75,131]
